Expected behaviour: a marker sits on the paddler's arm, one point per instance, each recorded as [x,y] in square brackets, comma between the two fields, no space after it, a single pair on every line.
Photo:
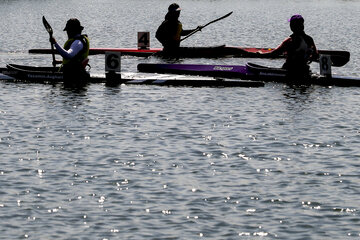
[315,54]
[187,32]
[74,49]
[53,41]
[279,50]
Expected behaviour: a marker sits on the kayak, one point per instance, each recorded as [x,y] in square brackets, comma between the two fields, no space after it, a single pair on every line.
[96,51]
[338,58]
[52,75]
[249,71]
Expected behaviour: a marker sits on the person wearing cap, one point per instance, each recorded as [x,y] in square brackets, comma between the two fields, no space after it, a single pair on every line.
[75,52]
[170,30]
[299,49]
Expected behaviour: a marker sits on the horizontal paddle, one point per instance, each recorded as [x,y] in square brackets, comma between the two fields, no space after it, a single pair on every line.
[198,29]
[338,58]
[50,31]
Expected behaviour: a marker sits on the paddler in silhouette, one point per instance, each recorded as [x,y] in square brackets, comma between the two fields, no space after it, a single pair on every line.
[170,31]
[299,49]
[75,53]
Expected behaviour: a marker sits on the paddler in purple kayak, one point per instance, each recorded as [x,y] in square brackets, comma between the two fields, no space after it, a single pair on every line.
[75,53]
[170,31]
[299,49]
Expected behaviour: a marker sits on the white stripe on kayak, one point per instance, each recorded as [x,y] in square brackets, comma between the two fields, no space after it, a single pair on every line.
[6,77]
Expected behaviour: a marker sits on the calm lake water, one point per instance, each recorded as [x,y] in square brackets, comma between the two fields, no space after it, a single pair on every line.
[150,162]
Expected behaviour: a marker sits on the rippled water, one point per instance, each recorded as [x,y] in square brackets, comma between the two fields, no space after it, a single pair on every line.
[149,162]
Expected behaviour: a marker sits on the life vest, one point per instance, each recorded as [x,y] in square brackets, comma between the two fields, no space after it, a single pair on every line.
[82,55]
[169,33]
[301,49]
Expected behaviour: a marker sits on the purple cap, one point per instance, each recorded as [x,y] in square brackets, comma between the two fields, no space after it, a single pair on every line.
[296,17]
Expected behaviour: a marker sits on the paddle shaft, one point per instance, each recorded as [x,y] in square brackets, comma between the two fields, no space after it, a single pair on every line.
[53,54]
[198,29]
[50,31]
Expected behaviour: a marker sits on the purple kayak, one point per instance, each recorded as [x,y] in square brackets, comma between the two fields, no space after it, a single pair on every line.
[249,71]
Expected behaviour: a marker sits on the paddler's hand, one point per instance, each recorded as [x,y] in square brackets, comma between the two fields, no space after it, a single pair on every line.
[199,27]
[56,62]
[52,40]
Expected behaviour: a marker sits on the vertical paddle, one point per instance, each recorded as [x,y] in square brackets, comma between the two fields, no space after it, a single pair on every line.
[50,31]
[198,29]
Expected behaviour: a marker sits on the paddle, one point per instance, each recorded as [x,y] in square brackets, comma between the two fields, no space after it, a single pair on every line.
[338,58]
[198,29]
[50,31]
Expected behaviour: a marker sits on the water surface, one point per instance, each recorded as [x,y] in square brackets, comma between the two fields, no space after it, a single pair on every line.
[150,162]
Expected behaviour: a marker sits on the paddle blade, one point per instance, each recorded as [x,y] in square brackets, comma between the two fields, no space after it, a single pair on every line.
[199,29]
[218,19]
[227,15]
[47,25]
[338,58]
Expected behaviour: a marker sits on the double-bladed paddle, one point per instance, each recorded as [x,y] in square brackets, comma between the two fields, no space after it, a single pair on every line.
[50,31]
[198,29]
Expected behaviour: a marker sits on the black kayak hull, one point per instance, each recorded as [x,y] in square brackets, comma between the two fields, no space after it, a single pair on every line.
[50,75]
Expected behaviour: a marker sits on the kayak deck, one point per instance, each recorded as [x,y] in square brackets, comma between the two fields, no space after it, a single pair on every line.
[47,75]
